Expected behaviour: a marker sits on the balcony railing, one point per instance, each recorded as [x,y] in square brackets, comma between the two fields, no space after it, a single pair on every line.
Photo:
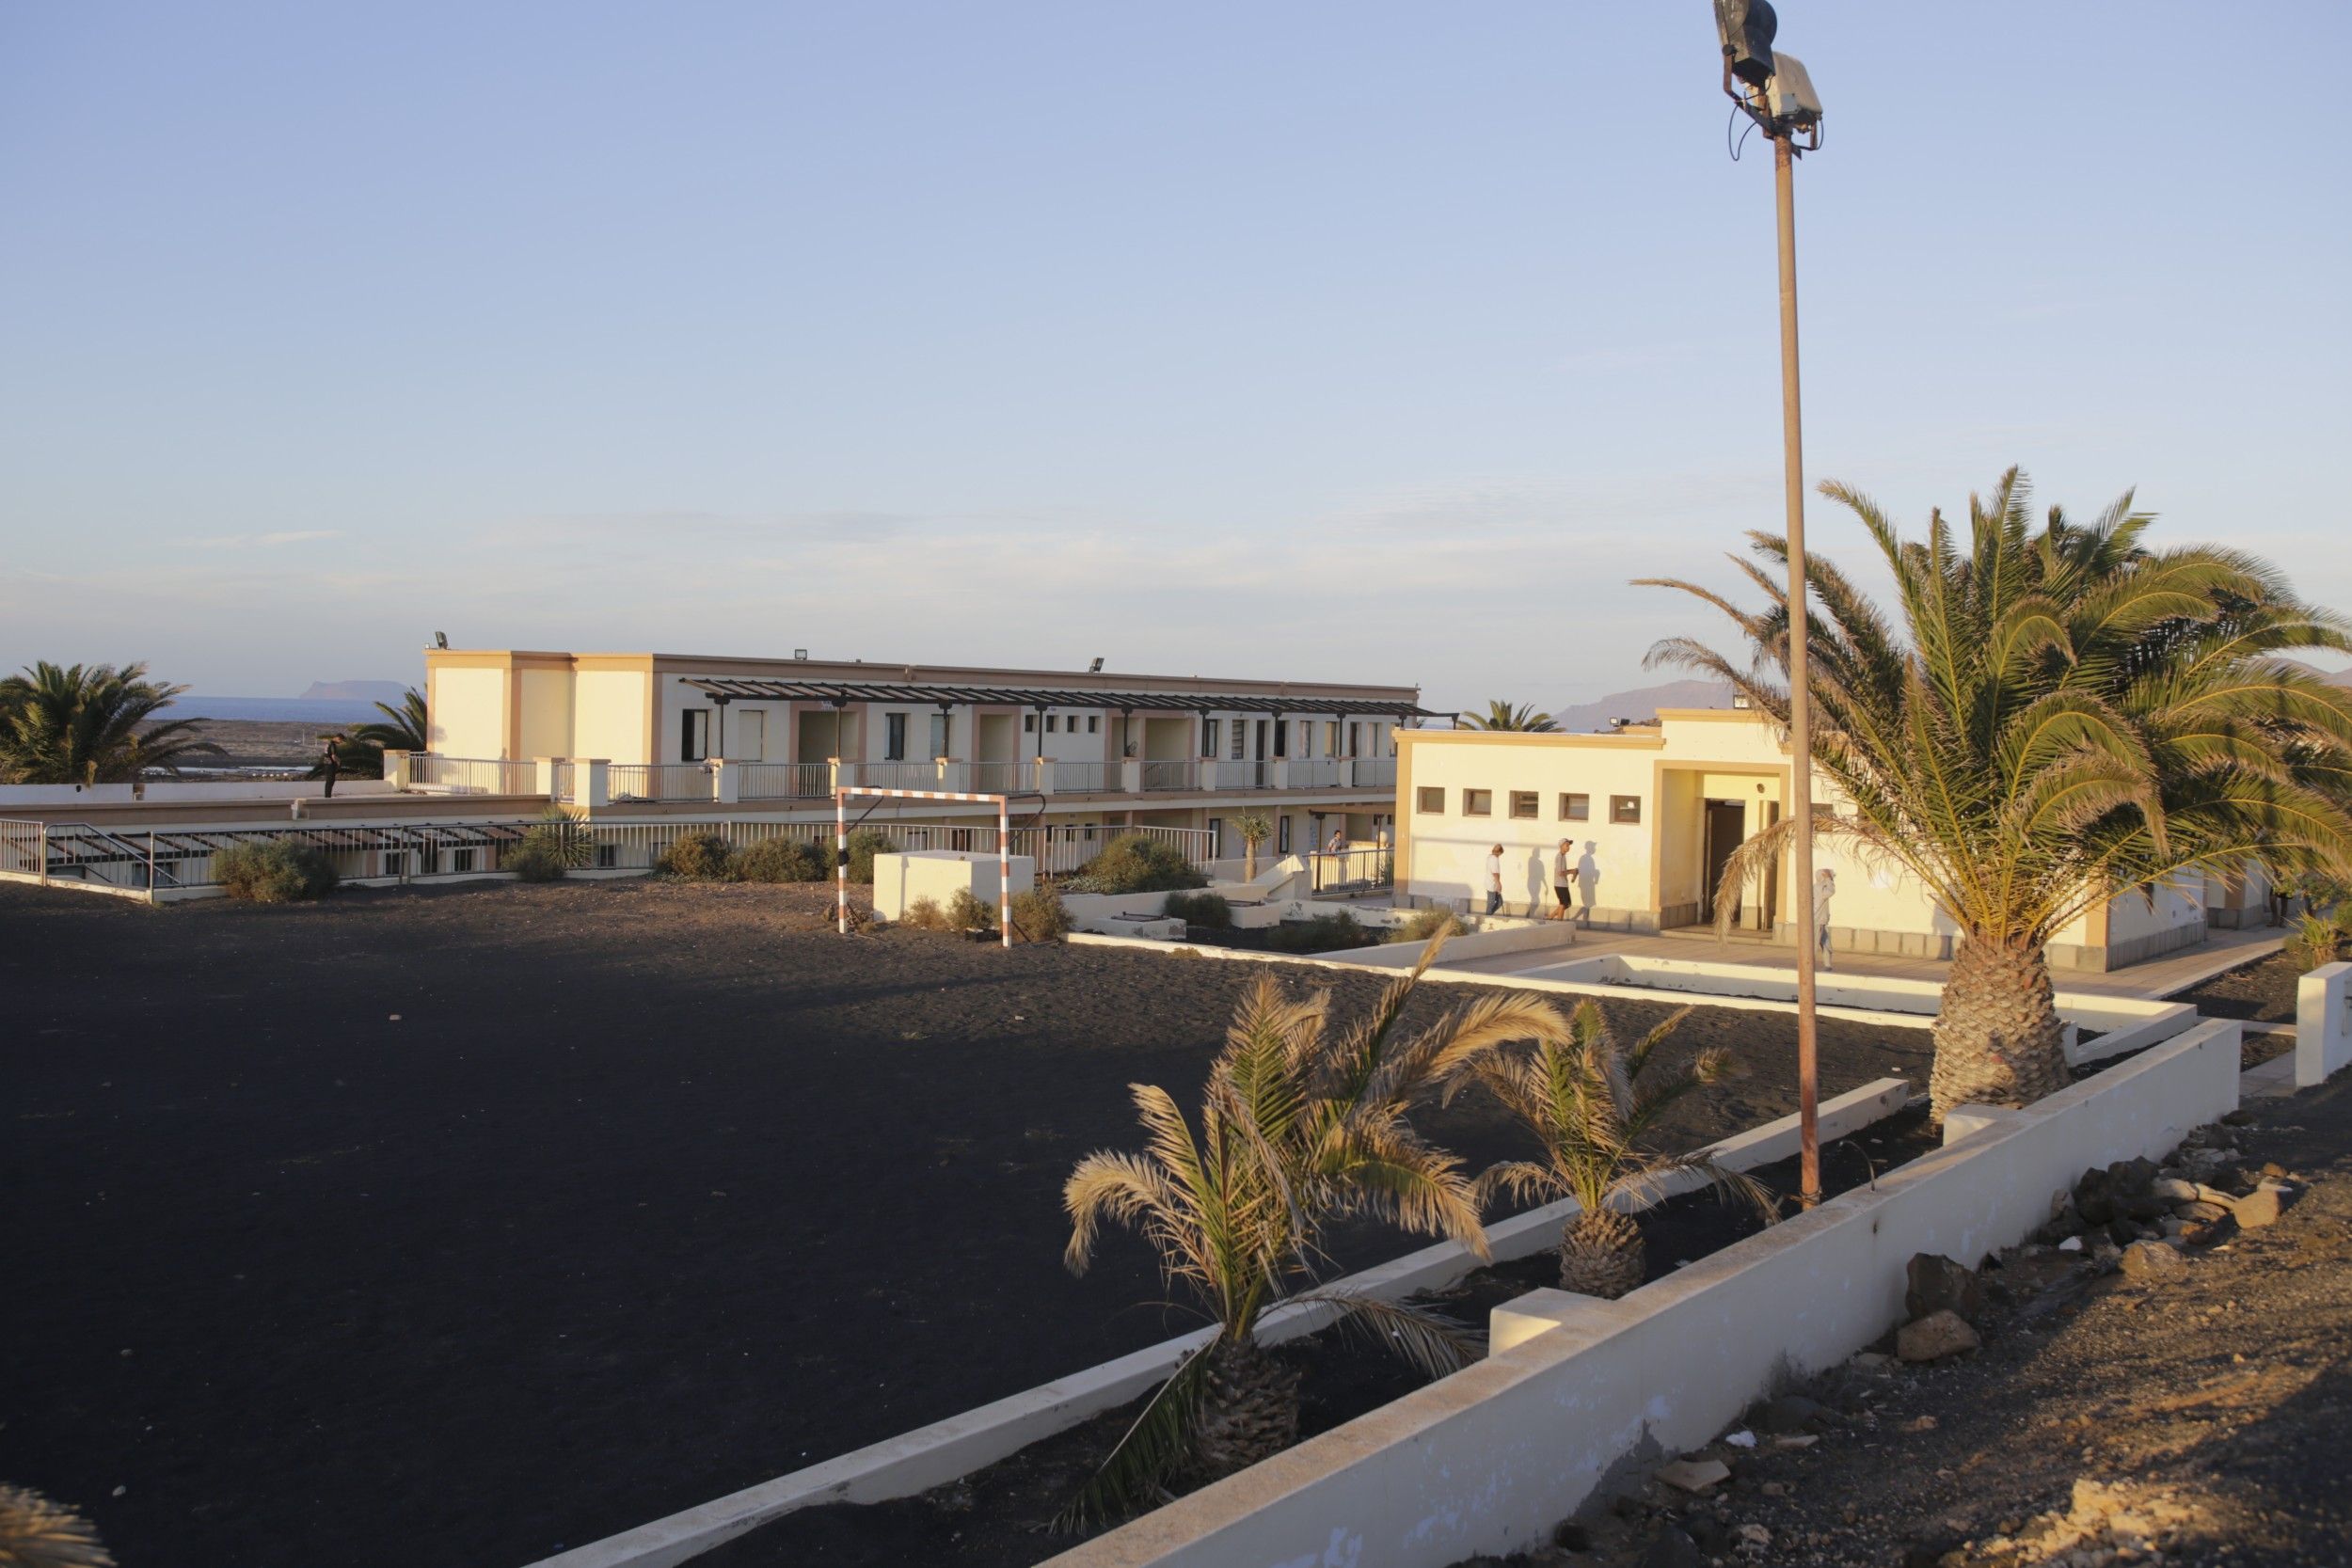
[1372,772]
[1171,774]
[472,775]
[996,778]
[660,781]
[786,781]
[1086,778]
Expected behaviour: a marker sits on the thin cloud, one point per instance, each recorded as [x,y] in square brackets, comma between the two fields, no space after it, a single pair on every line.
[263,541]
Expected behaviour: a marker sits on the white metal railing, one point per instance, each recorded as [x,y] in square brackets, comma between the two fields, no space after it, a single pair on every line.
[23,848]
[472,775]
[560,779]
[996,778]
[1086,778]
[786,781]
[892,775]
[1181,773]
[1372,772]
[660,781]
[1314,773]
[1244,775]
[1357,866]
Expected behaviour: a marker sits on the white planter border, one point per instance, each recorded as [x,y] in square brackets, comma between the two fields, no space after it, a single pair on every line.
[933,1455]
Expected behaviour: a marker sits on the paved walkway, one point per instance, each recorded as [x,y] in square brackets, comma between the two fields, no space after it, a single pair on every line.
[2157,977]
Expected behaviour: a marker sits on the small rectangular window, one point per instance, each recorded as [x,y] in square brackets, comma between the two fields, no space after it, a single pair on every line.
[939,734]
[694,739]
[1625,808]
[608,856]
[1053,723]
[1208,737]
[1234,752]
[895,736]
[1478,802]
[461,859]
[1523,804]
[1575,808]
[1028,723]
[1094,723]
[1430,801]
[1281,835]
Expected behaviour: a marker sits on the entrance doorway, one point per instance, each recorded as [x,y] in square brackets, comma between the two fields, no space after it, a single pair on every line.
[1726,827]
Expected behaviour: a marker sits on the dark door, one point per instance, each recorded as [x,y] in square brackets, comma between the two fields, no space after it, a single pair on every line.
[1726,825]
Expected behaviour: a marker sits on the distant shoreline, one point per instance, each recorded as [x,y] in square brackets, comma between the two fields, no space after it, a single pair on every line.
[298,710]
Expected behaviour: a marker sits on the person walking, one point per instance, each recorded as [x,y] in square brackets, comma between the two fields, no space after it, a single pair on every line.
[1824,886]
[330,763]
[1563,880]
[1494,879]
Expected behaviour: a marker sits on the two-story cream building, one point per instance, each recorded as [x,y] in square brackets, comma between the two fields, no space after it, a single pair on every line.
[1091,749]
[1655,811]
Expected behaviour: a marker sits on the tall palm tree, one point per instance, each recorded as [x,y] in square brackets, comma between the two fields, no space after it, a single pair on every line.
[1501,715]
[1298,1125]
[1590,1103]
[91,725]
[2066,715]
[404,728]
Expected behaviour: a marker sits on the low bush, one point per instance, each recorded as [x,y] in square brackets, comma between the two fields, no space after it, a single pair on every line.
[1208,910]
[783,859]
[924,915]
[1039,915]
[967,913]
[1325,933]
[2319,938]
[276,871]
[1137,862]
[698,858]
[863,846]
[555,844]
[1421,924]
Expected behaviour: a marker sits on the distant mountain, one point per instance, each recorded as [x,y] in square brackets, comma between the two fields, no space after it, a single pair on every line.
[1640,703]
[355,691]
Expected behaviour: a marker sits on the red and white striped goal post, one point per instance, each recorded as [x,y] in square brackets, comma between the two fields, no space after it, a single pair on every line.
[842,846]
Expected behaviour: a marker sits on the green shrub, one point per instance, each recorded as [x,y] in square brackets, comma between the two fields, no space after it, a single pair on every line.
[698,858]
[1325,933]
[863,846]
[782,860]
[967,913]
[1421,924]
[2317,938]
[1208,910]
[1137,862]
[275,871]
[554,845]
[1039,915]
[924,915]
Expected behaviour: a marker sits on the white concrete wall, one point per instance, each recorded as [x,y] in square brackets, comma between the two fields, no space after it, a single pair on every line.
[166,791]
[1487,1460]
[547,716]
[608,714]
[2323,1024]
[938,875]
[467,711]
[1446,852]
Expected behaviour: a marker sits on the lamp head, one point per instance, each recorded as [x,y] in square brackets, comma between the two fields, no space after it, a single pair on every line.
[1789,94]
[1747,29]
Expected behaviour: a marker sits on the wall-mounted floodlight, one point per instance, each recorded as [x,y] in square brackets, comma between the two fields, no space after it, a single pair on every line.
[800,653]
[440,639]
[1095,668]
[1747,29]
[1789,94]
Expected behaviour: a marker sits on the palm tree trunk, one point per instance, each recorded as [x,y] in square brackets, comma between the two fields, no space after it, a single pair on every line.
[1997,1038]
[1601,1254]
[1249,1408]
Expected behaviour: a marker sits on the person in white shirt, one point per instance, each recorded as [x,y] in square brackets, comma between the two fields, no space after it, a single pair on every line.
[1494,879]
[1824,885]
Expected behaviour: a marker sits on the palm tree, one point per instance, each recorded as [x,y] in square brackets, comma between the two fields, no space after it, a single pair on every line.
[37,1534]
[404,728]
[1590,1103]
[91,725]
[1254,829]
[1501,715]
[2067,716]
[1298,1125]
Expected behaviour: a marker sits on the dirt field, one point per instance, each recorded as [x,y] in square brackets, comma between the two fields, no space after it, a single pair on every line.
[2261,992]
[262,742]
[512,1216]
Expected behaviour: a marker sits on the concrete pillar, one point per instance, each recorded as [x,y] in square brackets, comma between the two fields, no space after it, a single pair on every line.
[542,773]
[1131,777]
[397,769]
[726,782]
[592,782]
[1041,775]
[1208,772]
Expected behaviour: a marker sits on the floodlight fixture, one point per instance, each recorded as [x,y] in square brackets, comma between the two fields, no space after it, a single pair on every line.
[1790,96]
[1095,668]
[440,639]
[1747,29]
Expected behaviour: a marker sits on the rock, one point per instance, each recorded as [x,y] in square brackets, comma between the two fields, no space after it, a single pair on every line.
[1740,1439]
[2094,1197]
[1796,1440]
[2143,1207]
[2132,1178]
[1752,1538]
[1569,1536]
[1871,1361]
[2071,1243]
[1694,1475]
[1937,1284]
[1934,1337]
[2151,1261]
[1794,1412]
[2174,1188]
[1920,1423]
[2202,1211]
[2238,1119]
[2169,1226]
[1671,1548]
[1710,1535]
[2211,1234]
[2204,1164]
[2261,1207]
[1775,1489]
[2038,1271]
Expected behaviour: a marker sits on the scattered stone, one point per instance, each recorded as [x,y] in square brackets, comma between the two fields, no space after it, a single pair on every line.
[1710,1535]
[2132,1178]
[1795,1440]
[2211,1234]
[1694,1475]
[2201,1211]
[1872,1361]
[2262,1206]
[1920,1423]
[1775,1489]
[1794,1412]
[2172,1187]
[1937,1284]
[2238,1119]
[2038,1271]
[2071,1243]
[1753,1538]
[1741,1439]
[1671,1548]
[1934,1337]
[2151,1261]
[2169,1228]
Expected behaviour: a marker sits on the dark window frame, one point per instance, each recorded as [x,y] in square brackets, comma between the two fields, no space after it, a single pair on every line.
[1625,811]
[1423,795]
[1535,805]
[1469,805]
[693,734]
[1575,806]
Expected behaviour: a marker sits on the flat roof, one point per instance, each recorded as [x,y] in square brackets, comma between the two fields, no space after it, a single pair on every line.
[940,694]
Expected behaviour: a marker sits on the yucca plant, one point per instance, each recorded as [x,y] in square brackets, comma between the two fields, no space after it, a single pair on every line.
[1590,1103]
[2319,938]
[2060,716]
[1254,828]
[37,1534]
[1301,1122]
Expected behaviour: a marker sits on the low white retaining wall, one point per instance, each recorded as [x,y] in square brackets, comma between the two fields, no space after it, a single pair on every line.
[939,875]
[1517,936]
[933,1455]
[1487,1460]
[2323,1024]
[168,792]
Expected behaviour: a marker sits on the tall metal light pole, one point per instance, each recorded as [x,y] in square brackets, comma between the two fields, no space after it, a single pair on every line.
[1772,88]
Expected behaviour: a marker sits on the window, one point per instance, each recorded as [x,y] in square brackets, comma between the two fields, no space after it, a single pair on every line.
[1094,723]
[939,734]
[694,735]
[1028,723]
[1208,737]
[1217,838]
[1429,800]
[1332,737]
[1282,737]
[461,859]
[1523,804]
[1478,802]
[1281,835]
[895,736]
[1575,808]
[1235,752]
[1625,808]
[608,856]
[1052,722]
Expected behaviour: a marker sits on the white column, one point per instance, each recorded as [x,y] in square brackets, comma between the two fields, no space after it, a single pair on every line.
[726,782]
[397,769]
[592,782]
[543,771]
[1131,775]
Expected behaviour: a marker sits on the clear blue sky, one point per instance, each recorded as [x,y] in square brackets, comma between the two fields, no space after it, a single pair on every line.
[1331,341]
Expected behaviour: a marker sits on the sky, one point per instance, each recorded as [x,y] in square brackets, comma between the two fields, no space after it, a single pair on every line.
[1363,342]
